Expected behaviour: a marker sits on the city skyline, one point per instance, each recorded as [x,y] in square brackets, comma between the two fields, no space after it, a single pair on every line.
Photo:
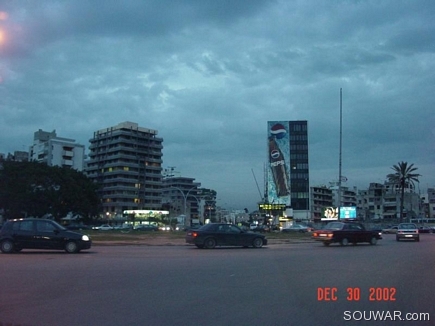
[209,75]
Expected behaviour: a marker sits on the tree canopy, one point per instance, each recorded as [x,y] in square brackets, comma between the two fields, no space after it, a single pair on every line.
[404,176]
[36,189]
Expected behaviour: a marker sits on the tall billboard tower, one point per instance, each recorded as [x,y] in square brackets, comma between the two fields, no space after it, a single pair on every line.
[287,180]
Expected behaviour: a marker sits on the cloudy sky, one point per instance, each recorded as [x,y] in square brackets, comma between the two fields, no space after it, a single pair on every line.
[209,74]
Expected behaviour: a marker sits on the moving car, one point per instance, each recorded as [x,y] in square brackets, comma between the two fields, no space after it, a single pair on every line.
[345,233]
[389,230]
[407,231]
[220,234]
[32,233]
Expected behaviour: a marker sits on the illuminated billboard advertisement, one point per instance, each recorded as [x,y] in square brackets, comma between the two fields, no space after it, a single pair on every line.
[278,177]
[347,212]
[331,213]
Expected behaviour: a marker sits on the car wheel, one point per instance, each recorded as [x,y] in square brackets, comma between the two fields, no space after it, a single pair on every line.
[397,238]
[257,243]
[326,244]
[199,246]
[417,239]
[373,241]
[209,243]
[71,247]
[7,246]
[344,242]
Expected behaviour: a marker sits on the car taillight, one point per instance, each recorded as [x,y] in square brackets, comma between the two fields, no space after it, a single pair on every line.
[315,234]
[194,234]
[330,235]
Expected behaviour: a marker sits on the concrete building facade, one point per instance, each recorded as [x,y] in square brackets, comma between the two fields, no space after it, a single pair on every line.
[126,162]
[56,151]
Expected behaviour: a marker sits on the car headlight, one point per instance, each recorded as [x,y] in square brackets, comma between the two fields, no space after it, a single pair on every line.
[85,238]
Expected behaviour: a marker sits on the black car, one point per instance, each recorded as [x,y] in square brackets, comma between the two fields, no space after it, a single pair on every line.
[218,234]
[32,233]
[77,227]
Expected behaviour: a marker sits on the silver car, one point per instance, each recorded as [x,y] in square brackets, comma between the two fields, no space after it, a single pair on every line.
[407,231]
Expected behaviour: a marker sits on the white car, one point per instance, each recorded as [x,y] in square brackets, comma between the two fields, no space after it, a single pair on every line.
[407,231]
[105,227]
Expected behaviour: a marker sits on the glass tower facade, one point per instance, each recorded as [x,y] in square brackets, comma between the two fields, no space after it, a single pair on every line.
[299,167]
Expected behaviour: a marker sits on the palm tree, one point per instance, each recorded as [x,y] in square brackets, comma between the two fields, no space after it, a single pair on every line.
[403,176]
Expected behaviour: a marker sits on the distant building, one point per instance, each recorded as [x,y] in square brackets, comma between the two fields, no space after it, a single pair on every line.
[17,156]
[381,202]
[180,197]
[56,151]
[126,162]
[321,198]
[209,212]
[428,203]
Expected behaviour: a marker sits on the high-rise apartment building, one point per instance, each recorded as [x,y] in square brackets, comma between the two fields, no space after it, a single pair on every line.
[56,151]
[126,162]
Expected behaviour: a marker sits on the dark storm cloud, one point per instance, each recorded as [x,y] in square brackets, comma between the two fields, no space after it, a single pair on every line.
[208,75]
[37,23]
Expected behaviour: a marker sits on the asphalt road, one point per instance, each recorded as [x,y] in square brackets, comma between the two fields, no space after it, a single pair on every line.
[293,284]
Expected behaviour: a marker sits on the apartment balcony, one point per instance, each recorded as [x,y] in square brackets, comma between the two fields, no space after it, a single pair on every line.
[67,162]
[67,153]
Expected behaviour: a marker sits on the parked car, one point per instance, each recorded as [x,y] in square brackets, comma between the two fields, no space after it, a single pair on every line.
[220,234]
[345,233]
[261,228]
[146,227]
[77,227]
[180,227]
[123,227]
[297,228]
[407,231]
[390,230]
[105,227]
[32,233]
[424,229]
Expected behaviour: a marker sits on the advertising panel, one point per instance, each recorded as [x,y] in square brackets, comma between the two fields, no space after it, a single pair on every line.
[348,212]
[278,177]
[331,213]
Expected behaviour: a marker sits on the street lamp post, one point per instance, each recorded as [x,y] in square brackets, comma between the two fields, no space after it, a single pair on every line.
[185,195]
[200,213]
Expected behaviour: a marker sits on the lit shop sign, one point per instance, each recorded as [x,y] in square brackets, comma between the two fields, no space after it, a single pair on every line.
[271,207]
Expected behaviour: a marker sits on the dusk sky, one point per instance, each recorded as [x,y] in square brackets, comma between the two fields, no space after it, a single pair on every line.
[209,74]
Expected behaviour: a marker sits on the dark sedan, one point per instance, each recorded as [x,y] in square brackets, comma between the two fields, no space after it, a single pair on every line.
[31,233]
[217,234]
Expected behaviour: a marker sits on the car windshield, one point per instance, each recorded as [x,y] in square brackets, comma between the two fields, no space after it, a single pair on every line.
[207,227]
[334,226]
[407,226]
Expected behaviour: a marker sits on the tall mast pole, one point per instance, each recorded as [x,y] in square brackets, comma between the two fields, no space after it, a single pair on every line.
[339,159]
